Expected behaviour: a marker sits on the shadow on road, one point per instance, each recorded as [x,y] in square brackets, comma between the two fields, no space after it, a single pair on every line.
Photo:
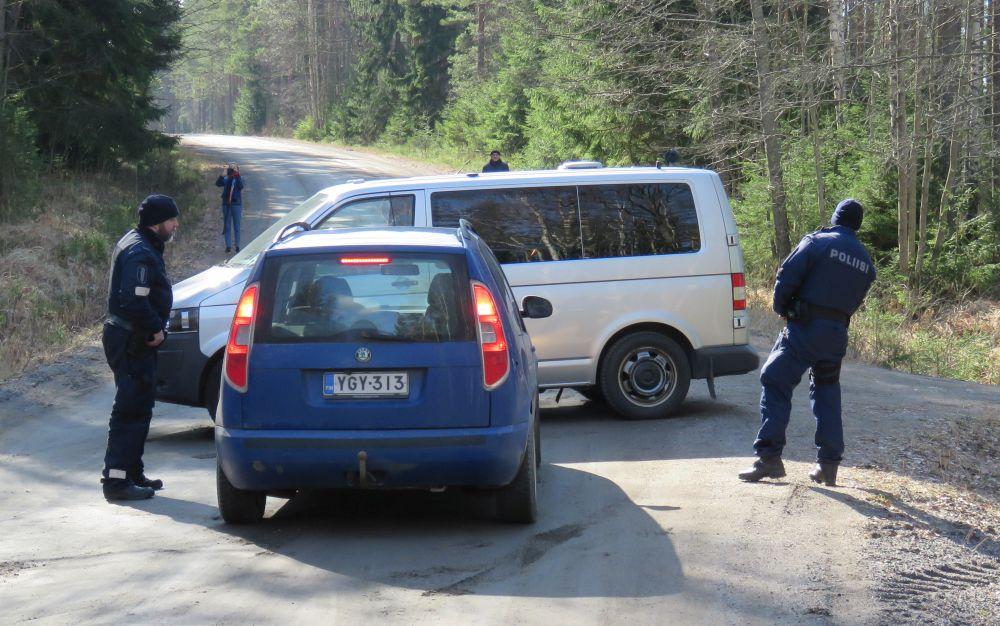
[591,541]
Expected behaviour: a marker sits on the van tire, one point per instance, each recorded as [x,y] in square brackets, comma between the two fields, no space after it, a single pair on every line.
[213,384]
[238,506]
[657,388]
[517,503]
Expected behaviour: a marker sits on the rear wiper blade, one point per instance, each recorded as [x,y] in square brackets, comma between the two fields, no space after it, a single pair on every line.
[383,336]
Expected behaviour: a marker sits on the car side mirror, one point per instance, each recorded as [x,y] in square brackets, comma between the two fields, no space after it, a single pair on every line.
[535,307]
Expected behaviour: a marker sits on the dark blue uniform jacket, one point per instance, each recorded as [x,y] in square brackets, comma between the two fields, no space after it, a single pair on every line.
[829,268]
[138,288]
[231,185]
[499,166]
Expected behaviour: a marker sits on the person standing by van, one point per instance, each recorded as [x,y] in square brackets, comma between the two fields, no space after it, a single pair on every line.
[232,204]
[139,301]
[495,164]
[818,288]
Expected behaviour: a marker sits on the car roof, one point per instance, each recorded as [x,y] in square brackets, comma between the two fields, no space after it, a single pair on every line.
[522,177]
[380,237]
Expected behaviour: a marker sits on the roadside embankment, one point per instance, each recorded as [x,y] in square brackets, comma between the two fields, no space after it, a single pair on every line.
[54,256]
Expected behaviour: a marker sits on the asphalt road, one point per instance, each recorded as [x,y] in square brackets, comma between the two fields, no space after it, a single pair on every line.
[640,522]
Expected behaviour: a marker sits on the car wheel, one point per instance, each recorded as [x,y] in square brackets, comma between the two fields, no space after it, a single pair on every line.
[213,384]
[237,505]
[645,375]
[538,434]
[518,502]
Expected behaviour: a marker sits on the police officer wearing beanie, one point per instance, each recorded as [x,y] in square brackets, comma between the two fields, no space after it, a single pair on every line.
[818,288]
[139,301]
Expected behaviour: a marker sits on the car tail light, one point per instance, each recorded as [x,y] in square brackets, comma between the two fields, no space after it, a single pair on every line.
[492,341]
[365,260]
[240,338]
[739,292]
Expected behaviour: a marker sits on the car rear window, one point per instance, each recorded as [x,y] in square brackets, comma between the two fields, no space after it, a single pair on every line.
[365,297]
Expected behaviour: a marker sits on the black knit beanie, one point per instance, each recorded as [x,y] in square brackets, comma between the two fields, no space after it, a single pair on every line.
[156,209]
[849,213]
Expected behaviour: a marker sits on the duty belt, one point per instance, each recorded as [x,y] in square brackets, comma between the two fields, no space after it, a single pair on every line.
[120,322]
[826,313]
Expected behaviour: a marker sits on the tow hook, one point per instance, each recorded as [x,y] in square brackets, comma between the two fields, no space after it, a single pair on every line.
[362,471]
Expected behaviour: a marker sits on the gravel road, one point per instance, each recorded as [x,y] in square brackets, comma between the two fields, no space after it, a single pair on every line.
[640,522]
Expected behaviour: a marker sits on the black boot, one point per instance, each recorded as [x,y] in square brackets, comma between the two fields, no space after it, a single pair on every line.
[764,467]
[121,489]
[825,473]
[142,481]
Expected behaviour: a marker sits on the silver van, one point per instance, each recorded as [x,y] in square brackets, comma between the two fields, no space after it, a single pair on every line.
[642,265]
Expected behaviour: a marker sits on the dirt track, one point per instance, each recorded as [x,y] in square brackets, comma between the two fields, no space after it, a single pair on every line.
[641,522]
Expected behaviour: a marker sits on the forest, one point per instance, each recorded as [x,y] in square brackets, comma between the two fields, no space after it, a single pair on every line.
[797,103]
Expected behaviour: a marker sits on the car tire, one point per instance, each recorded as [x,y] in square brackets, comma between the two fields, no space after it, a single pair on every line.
[538,434]
[645,375]
[517,503]
[213,385]
[238,506]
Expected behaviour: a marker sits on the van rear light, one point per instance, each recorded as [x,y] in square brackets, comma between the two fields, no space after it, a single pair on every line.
[739,292]
[240,338]
[492,342]
[364,260]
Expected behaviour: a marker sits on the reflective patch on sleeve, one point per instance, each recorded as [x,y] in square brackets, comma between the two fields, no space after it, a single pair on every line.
[142,291]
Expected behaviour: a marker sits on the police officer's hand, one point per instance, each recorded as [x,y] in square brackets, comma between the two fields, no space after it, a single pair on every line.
[157,340]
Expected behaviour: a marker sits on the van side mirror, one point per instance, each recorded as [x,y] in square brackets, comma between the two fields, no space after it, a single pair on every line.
[535,307]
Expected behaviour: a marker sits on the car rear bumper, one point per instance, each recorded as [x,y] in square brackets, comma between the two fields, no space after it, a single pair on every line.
[179,369]
[724,361]
[270,460]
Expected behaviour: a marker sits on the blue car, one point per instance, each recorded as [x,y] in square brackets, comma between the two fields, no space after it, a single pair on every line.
[379,358]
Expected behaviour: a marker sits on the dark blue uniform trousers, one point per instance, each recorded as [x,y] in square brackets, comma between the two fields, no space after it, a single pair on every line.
[135,387]
[818,345]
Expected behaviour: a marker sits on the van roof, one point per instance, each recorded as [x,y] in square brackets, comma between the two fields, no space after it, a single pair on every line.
[533,177]
[393,237]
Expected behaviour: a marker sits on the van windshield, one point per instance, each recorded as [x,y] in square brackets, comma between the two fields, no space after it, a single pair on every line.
[248,254]
[365,297]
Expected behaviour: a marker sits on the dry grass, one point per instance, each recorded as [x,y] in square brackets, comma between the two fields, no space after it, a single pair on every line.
[959,341]
[53,281]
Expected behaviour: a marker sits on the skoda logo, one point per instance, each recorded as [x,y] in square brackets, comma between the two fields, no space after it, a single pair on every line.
[363,355]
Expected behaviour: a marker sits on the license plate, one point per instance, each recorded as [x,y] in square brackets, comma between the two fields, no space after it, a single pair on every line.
[366,384]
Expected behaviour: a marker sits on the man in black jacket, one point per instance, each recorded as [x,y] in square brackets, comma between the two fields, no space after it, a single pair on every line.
[496,164]
[139,301]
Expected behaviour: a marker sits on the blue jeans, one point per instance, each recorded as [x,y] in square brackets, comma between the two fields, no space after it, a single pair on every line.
[135,387]
[818,345]
[231,214]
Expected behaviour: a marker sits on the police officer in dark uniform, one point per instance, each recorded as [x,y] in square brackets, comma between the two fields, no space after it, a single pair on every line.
[818,287]
[139,301]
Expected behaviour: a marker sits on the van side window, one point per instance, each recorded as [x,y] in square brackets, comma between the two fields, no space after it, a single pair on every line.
[520,225]
[379,211]
[638,220]
[501,280]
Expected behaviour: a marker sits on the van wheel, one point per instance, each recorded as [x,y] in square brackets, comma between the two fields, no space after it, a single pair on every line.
[518,502]
[212,386]
[645,375]
[236,505]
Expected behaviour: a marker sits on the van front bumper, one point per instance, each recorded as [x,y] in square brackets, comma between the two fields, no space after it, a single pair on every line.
[724,361]
[179,367]
[273,460]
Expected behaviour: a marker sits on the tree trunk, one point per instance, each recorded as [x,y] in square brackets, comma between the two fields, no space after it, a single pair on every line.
[769,125]
[900,139]
[3,53]
[838,55]
[481,39]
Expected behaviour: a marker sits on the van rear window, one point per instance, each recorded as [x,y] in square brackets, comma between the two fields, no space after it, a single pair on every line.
[529,224]
[365,297]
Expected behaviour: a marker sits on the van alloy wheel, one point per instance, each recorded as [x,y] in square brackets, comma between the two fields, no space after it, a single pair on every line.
[647,376]
[644,375]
